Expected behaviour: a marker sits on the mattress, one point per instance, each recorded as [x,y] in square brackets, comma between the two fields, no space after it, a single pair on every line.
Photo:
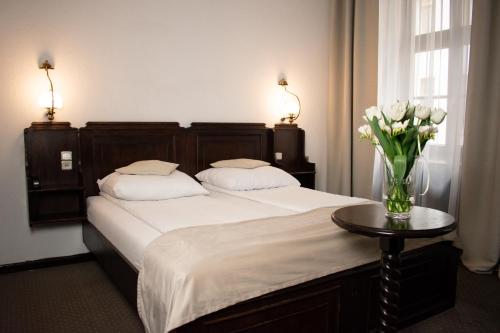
[295,198]
[132,225]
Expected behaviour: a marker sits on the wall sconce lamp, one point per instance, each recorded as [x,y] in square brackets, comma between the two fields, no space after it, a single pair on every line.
[50,100]
[290,103]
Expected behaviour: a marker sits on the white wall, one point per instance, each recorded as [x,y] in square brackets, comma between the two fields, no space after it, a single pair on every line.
[162,60]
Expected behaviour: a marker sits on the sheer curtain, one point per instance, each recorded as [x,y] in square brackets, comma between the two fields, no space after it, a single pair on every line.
[423,57]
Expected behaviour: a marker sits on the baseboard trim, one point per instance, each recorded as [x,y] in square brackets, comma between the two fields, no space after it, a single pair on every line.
[46,262]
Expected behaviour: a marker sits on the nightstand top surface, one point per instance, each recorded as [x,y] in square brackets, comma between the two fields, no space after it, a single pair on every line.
[370,220]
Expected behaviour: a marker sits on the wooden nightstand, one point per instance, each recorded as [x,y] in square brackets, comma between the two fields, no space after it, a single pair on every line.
[54,182]
[306,178]
[289,145]
[370,220]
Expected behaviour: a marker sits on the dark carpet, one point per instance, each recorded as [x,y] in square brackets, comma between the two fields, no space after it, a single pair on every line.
[477,307]
[70,298]
[80,298]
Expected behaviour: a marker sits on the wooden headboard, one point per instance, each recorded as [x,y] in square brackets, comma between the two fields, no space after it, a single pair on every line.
[211,142]
[106,146]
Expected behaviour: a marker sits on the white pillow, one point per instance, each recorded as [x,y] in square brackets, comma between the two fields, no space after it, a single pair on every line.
[237,179]
[149,167]
[244,163]
[150,187]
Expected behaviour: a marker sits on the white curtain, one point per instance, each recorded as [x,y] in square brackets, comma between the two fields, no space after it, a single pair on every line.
[423,57]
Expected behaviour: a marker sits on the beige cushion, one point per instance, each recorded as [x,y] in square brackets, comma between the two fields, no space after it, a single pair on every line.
[150,167]
[242,163]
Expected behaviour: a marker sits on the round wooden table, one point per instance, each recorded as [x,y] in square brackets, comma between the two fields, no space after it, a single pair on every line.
[370,220]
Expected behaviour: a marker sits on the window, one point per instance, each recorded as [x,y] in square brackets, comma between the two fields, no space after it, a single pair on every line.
[429,14]
[423,57]
[436,61]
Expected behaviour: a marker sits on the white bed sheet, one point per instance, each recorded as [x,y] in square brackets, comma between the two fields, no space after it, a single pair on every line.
[298,199]
[132,225]
[127,233]
[216,208]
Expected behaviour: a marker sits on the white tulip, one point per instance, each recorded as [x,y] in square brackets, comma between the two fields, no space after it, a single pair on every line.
[422,130]
[365,129]
[398,111]
[383,126]
[437,115]
[399,127]
[366,132]
[422,112]
[427,131]
[373,111]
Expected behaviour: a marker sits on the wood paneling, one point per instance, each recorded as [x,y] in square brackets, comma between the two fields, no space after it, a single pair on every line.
[289,140]
[54,195]
[44,143]
[121,272]
[211,142]
[108,146]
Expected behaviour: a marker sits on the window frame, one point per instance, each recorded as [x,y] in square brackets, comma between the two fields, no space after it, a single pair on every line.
[438,40]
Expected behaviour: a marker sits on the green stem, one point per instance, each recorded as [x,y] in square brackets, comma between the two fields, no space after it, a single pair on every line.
[398,198]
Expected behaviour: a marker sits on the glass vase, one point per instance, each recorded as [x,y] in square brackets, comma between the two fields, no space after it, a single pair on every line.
[398,194]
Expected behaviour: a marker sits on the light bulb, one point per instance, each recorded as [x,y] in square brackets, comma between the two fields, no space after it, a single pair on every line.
[290,104]
[45,100]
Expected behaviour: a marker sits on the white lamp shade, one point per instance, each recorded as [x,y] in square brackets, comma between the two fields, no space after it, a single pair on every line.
[45,100]
[290,105]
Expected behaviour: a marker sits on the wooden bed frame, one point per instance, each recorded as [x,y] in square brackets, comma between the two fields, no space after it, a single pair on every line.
[341,302]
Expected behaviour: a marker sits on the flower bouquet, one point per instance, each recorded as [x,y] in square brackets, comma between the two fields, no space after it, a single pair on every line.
[399,135]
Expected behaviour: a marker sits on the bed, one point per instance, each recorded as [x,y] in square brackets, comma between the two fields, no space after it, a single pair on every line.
[343,301]
[132,225]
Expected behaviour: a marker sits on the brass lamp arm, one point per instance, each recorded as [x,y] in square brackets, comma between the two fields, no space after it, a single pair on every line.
[52,87]
[298,99]
[291,119]
[50,111]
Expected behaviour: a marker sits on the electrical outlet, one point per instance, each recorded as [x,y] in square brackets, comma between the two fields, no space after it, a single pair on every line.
[66,165]
[278,156]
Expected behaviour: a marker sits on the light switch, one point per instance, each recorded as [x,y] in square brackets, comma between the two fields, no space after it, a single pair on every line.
[278,156]
[66,155]
[66,165]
